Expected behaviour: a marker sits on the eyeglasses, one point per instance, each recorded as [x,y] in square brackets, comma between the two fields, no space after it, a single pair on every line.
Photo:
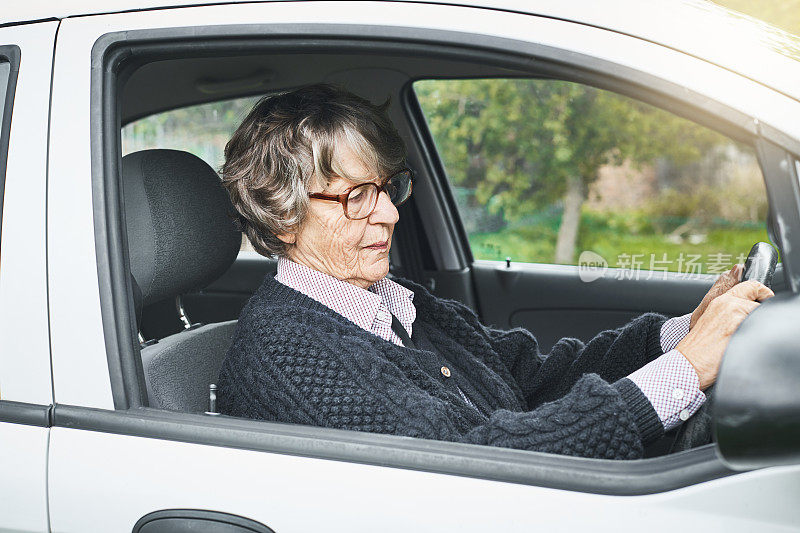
[360,201]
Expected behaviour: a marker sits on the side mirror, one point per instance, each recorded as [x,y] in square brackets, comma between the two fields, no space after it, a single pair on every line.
[757,399]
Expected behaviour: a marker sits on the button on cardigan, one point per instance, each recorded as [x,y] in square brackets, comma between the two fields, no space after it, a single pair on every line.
[295,360]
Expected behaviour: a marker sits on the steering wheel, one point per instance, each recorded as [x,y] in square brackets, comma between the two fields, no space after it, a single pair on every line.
[760,266]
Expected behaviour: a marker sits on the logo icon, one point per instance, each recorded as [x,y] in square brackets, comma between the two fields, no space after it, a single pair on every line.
[591,266]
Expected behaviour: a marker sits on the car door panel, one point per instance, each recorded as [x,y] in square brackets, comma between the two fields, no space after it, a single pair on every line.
[299,494]
[25,354]
[552,301]
[25,379]
[23,470]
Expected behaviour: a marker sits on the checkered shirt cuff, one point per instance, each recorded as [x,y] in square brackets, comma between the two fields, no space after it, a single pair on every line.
[672,386]
[674,330]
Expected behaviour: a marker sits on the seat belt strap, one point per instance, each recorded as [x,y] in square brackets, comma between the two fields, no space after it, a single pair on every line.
[401,332]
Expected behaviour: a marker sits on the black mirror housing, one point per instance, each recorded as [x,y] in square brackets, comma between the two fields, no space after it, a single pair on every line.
[757,399]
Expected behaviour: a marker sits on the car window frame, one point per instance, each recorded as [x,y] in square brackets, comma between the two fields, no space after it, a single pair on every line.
[132,417]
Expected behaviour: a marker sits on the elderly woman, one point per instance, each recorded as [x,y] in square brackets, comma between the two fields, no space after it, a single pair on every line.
[316,175]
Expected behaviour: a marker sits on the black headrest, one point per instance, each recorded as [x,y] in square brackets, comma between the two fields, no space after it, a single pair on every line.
[181,234]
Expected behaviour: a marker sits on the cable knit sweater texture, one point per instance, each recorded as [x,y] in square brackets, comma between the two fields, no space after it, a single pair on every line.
[294,360]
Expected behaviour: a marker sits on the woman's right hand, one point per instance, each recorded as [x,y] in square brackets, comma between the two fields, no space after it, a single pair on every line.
[705,344]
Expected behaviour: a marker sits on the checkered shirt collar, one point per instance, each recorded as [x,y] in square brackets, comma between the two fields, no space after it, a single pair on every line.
[358,305]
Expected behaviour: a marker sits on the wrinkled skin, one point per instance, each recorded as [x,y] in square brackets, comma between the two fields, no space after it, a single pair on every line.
[722,285]
[715,320]
[355,251]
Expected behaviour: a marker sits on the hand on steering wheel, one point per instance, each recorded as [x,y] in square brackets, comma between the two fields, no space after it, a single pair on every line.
[722,285]
[705,347]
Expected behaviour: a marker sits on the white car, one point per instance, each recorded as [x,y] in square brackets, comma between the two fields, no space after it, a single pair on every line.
[95,436]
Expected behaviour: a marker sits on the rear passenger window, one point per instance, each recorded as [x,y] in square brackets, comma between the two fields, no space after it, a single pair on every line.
[548,171]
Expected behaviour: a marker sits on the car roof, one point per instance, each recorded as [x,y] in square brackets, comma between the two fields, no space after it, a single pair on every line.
[700,28]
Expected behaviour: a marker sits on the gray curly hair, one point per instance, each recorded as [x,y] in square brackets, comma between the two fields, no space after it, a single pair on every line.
[288,143]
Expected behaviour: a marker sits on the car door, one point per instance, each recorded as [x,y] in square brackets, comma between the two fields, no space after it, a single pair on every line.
[26,53]
[115,463]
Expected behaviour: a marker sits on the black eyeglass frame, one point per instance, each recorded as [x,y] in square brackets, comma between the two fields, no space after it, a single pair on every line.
[342,198]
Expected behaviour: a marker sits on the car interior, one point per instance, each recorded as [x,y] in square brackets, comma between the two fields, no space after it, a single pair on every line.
[190,280]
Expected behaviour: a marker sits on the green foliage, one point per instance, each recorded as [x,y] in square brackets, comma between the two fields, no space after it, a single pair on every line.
[631,222]
[510,146]
[703,205]
[516,141]
[617,237]
[202,130]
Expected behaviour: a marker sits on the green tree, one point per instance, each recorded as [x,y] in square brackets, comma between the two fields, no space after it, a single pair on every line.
[201,129]
[525,144]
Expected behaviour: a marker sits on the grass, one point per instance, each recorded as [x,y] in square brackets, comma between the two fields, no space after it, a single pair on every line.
[617,238]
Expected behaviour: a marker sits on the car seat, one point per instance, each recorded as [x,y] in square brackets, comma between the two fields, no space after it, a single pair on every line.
[181,237]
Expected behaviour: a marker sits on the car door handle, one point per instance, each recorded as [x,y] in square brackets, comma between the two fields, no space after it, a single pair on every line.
[197,520]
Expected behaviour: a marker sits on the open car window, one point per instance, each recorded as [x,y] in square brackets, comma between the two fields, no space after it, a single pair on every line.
[549,171]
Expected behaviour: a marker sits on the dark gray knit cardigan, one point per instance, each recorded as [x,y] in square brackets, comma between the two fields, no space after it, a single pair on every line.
[295,360]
